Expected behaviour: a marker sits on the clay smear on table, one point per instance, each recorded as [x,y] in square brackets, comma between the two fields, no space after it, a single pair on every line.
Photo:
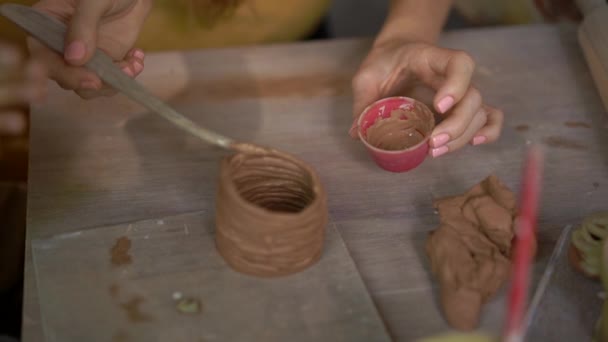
[401,130]
[133,310]
[522,128]
[470,250]
[119,254]
[577,124]
[271,213]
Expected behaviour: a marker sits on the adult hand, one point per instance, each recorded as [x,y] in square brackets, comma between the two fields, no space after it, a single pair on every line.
[110,25]
[394,63]
[20,82]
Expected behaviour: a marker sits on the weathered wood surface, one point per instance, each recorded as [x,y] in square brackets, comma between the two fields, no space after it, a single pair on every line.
[106,161]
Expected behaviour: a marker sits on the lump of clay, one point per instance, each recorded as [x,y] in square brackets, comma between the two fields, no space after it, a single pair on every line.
[470,250]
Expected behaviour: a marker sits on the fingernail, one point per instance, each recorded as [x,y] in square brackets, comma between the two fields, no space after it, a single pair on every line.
[138,67]
[127,71]
[75,51]
[445,104]
[480,139]
[440,140]
[139,54]
[92,85]
[436,152]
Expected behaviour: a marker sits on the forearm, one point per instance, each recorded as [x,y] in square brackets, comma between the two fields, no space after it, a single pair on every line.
[415,20]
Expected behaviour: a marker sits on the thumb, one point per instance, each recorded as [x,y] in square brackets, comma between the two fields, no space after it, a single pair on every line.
[365,91]
[81,37]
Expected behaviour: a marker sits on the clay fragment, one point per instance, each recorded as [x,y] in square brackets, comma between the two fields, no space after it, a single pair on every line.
[470,250]
[119,254]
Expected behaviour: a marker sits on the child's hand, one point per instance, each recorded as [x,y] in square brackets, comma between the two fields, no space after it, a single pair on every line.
[20,83]
[111,25]
[392,64]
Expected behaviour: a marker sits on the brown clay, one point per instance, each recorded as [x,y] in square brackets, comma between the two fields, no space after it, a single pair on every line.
[577,124]
[403,129]
[271,212]
[470,250]
[133,310]
[119,254]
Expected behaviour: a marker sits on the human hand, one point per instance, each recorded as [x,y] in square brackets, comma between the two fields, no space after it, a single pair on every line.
[20,82]
[394,63]
[110,25]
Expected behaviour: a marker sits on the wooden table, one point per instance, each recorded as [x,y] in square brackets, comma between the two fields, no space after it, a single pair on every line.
[106,161]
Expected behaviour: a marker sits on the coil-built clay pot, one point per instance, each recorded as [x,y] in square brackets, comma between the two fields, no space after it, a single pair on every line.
[271,213]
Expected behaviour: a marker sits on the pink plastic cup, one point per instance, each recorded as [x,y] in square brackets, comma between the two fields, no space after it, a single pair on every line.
[401,160]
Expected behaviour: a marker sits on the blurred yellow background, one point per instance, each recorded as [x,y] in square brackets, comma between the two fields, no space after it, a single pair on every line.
[253,22]
[172,25]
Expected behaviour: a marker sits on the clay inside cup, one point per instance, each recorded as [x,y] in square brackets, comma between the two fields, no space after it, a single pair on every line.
[400,128]
[271,214]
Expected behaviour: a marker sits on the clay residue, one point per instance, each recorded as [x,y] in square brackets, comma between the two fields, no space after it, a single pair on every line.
[401,130]
[522,128]
[596,185]
[577,124]
[271,212]
[120,252]
[114,290]
[133,311]
[565,143]
[470,250]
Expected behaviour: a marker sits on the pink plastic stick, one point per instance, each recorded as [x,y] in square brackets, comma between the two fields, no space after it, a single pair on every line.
[525,236]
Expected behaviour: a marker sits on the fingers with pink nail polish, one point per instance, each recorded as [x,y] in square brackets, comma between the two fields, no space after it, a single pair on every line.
[127,70]
[89,24]
[139,54]
[90,85]
[491,130]
[440,140]
[138,67]
[437,152]
[75,52]
[445,104]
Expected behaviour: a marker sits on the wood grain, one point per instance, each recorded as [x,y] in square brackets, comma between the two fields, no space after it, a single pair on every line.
[108,161]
